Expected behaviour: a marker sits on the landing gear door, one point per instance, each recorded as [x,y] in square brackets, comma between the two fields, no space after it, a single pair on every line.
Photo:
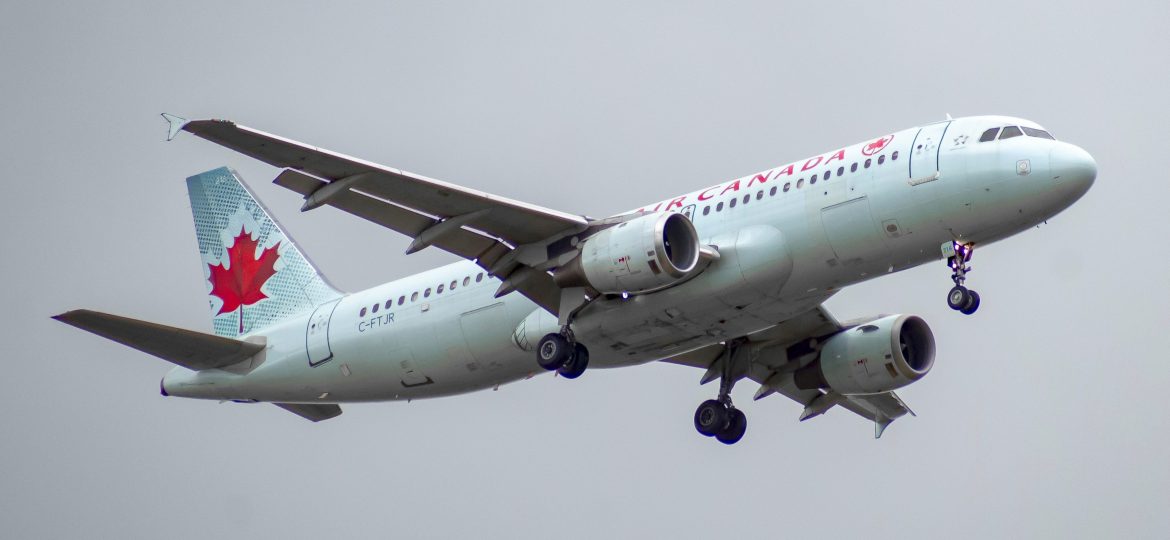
[317,334]
[924,153]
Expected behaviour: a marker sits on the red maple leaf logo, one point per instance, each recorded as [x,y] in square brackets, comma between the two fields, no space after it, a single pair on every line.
[239,285]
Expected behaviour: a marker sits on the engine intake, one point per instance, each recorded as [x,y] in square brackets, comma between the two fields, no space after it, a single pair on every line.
[639,255]
[872,358]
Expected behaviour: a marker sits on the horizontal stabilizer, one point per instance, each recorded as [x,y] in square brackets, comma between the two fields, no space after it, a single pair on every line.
[312,412]
[187,348]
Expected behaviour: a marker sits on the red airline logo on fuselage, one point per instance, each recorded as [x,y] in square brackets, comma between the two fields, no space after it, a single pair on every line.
[876,146]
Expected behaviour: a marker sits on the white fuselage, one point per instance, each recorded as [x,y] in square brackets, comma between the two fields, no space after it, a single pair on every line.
[786,244]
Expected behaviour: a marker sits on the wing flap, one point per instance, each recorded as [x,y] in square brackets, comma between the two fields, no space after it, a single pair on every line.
[187,348]
[461,242]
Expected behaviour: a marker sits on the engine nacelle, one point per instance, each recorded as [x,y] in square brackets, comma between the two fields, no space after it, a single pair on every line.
[872,358]
[639,255]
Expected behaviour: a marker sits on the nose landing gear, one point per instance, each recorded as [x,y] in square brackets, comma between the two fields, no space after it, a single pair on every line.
[561,353]
[718,417]
[960,298]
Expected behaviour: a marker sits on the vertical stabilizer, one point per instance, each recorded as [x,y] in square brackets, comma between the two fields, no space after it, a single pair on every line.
[255,275]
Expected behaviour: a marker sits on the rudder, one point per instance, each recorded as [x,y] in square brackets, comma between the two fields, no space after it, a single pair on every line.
[255,274]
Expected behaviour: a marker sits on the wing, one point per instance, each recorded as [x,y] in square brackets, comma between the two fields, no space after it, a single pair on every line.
[506,237]
[774,354]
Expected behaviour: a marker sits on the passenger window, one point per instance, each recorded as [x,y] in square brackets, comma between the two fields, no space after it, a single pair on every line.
[362,313]
[719,207]
[853,168]
[787,186]
[812,180]
[867,162]
[894,156]
[759,194]
[414,296]
[881,159]
[466,281]
[453,283]
[800,183]
[840,171]
[401,300]
[1009,132]
[827,174]
[989,135]
[747,198]
[427,293]
[479,277]
[772,192]
[375,308]
[1033,132]
[732,203]
[389,303]
[706,210]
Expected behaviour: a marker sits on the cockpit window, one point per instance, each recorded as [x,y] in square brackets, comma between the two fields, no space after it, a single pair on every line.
[1033,132]
[1009,132]
[989,135]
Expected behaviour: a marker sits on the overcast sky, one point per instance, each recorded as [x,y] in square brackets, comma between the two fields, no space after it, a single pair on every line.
[1044,416]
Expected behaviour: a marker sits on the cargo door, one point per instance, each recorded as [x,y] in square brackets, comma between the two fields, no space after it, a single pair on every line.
[851,232]
[488,333]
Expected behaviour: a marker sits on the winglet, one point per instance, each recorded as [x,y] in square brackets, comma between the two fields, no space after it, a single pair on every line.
[879,426]
[175,124]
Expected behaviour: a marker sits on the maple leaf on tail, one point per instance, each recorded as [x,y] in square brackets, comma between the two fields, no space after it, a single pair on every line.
[238,284]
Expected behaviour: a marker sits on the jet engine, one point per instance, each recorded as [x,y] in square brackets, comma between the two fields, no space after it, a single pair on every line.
[872,358]
[640,255]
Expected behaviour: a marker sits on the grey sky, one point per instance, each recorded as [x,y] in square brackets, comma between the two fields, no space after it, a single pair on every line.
[1043,417]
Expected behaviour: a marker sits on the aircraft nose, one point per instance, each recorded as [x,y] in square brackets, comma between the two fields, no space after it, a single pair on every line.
[1073,169]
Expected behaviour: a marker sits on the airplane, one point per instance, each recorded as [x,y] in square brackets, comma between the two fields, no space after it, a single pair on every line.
[730,279]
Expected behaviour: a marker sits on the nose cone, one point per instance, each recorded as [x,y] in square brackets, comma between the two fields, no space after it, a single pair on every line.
[1073,170]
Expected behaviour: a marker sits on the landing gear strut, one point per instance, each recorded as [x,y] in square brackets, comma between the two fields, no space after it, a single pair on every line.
[960,298]
[718,417]
[562,353]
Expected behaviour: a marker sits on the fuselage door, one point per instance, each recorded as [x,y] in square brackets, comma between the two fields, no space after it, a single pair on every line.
[924,152]
[488,333]
[317,333]
[852,233]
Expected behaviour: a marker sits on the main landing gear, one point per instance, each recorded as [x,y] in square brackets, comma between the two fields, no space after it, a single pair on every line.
[561,353]
[718,417]
[960,298]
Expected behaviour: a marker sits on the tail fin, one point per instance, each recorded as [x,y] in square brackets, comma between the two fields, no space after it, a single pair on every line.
[256,276]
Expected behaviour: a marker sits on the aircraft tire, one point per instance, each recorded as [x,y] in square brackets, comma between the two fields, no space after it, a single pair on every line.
[576,365]
[736,427]
[711,418]
[553,351]
[972,303]
[958,298]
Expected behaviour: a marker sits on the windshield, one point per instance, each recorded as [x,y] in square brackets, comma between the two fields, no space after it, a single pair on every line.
[1033,132]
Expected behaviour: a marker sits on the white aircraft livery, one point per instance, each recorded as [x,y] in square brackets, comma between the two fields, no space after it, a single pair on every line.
[729,279]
